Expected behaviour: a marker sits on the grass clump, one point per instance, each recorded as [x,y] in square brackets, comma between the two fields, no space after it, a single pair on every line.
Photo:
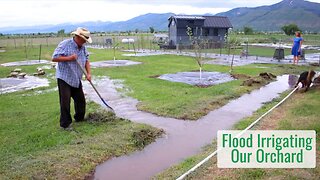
[145,136]
[101,116]
[292,115]
[34,147]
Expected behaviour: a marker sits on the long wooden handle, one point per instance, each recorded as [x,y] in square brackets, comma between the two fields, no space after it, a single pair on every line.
[95,89]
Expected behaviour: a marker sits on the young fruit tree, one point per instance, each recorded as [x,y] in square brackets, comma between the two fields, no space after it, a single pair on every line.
[115,45]
[231,45]
[198,45]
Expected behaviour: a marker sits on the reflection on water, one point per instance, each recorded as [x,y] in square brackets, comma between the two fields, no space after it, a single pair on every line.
[292,80]
[183,138]
[8,85]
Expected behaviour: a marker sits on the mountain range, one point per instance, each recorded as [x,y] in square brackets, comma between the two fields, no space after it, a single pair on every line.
[271,18]
[263,18]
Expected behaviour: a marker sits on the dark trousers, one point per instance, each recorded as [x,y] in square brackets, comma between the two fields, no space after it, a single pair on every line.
[65,93]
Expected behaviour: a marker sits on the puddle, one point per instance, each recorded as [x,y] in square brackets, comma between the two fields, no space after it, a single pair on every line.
[39,92]
[287,46]
[113,63]
[272,45]
[46,67]
[183,138]
[8,85]
[237,61]
[146,53]
[224,59]
[97,47]
[309,58]
[193,78]
[25,63]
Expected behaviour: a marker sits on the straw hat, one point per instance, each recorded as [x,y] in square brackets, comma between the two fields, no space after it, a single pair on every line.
[83,33]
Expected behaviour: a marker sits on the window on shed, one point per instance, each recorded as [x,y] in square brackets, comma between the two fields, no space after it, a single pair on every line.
[215,31]
[206,32]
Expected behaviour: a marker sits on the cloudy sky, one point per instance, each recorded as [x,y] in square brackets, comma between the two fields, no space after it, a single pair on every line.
[39,12]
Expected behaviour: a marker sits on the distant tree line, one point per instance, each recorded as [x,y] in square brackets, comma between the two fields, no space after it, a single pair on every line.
[288,29]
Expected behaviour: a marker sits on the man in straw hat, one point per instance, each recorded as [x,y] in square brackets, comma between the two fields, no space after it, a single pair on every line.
[69,75]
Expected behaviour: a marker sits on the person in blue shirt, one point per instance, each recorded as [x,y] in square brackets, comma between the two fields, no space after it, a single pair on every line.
[69,75]
[296,47]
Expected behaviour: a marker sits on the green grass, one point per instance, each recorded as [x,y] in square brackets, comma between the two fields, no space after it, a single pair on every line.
[176,99]
[177,170]
[162,97]
[297,114]
[180,100]
[310,39]
[255,51]
[34,146]
[19,54]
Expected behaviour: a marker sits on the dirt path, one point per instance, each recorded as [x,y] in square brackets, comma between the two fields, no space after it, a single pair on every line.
[182,139]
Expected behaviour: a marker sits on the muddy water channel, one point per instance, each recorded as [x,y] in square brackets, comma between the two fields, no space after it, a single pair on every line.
[183,138]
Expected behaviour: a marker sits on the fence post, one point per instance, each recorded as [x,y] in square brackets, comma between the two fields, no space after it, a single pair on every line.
[40,54]
[25,48]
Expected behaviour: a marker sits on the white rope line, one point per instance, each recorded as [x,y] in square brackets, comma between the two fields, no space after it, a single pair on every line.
[238,135]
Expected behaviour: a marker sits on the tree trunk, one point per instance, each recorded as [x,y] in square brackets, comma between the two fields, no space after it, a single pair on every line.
[200,74]
[231,66]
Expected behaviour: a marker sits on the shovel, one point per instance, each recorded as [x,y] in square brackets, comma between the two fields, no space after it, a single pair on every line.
[85,73]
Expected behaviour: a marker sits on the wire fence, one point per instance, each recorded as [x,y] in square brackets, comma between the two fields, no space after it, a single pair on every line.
[140,41]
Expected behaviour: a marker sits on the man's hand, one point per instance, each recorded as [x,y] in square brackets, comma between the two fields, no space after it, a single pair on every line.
[89,77]
[73,57]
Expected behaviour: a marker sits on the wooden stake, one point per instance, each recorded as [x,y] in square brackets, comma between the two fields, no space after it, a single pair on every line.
[40,54]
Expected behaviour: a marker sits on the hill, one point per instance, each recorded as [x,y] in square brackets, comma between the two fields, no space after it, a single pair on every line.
[271,18]
[143,22]
[264,18]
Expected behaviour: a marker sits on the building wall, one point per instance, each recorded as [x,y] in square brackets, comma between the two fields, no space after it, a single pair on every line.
[172,33]
[178,32]
[180,29]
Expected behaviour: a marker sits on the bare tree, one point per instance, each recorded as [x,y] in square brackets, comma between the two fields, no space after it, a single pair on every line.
[115,45]
[198,45]
[231,45]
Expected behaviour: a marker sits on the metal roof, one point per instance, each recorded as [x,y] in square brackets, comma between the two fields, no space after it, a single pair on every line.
[188,17]
[217,21]
[209,21]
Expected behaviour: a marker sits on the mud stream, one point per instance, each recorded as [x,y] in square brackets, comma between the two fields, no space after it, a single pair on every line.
[183,138]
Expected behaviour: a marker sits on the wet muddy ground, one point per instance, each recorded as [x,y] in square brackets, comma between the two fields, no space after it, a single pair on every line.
[287,46]
[193,78]
[183,138]
[8,85]
[226,59]
[25,63]
[142,53]
[113,63]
